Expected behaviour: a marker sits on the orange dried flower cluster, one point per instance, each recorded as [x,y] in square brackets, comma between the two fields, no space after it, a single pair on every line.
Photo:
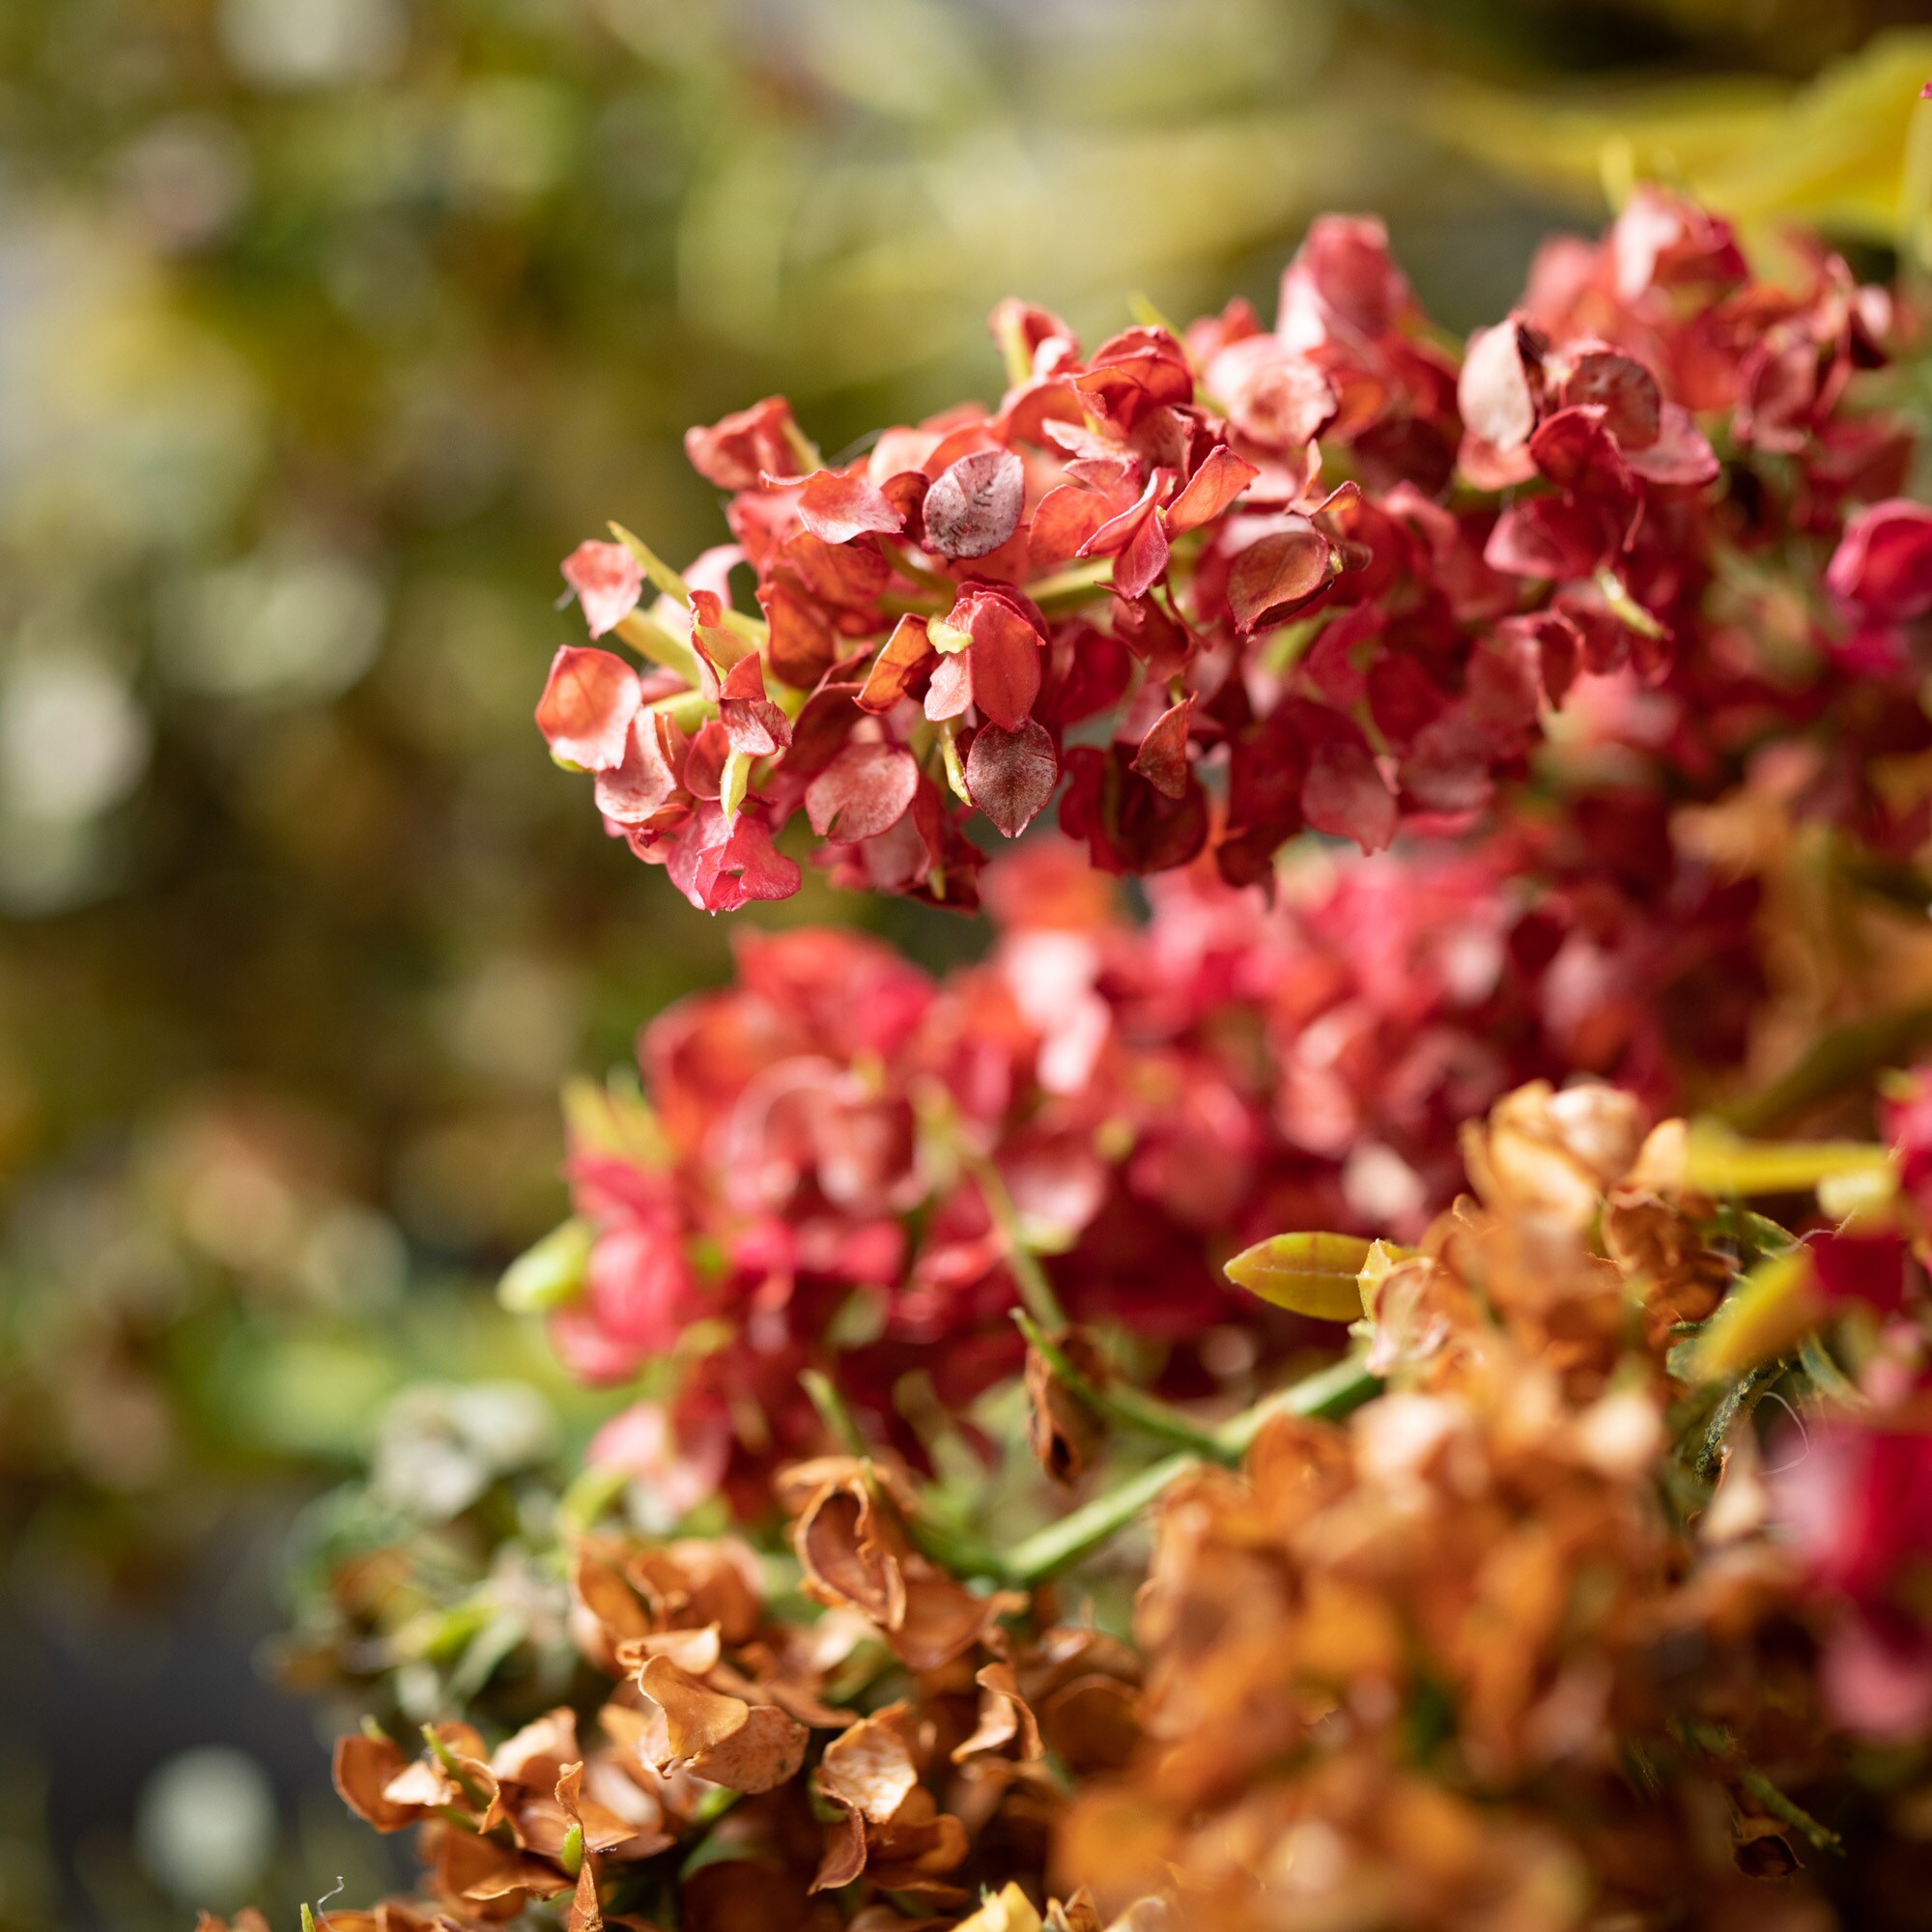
[732,1728]
[1485,1655]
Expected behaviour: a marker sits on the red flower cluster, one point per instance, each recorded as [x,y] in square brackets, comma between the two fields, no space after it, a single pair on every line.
[841,1148]
[1141,574]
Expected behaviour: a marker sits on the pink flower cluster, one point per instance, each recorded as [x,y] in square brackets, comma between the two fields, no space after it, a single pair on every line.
[1231,583]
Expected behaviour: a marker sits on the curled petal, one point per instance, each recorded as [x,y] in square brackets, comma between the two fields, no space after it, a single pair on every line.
[838,505]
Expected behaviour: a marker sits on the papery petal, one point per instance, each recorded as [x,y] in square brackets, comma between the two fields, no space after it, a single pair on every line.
[838,505]
[1012,774]
[1212,487]
[1281,570]
[973,505]
[866,790]
[608,581]
[1162,757]
[586,707]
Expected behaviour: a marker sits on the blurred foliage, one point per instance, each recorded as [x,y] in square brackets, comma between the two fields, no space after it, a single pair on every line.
[327,326]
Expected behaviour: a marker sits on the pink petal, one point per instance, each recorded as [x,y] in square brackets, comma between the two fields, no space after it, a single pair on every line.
[866,790]
[608,581]
[586,707]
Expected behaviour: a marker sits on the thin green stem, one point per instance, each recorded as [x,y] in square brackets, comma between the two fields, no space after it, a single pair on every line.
[1085,1530]
[1035,1291]
[1130,1407]
[841,1424]
[1328,1395]
[1716,1742]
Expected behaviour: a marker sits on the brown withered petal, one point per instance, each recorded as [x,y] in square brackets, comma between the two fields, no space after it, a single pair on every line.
[848,1552]
[1004,1717]
[869,1767]
[943,1619]
[752,1894]
[723,1740]
[604,1609]
[1091,1724]
[844,1855]
[1062,1430]
[697,1650]
[364,1767]
[482,1871]
[535,1754]
[696,1718]
[700,1580]
[422,1785]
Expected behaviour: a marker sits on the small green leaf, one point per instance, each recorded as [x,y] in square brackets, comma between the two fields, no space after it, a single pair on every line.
[570,1854]
[1310,1274]
[1716,1161]
[549,1274]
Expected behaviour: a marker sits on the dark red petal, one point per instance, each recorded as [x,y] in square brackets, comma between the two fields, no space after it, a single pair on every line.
[1681,456]
[1283,568]
[862,792]
[1626,391]
[586,707]
[1139,566]
[973,505]
[1346,795]
[838,506]
[1012,774]
[1162,758]
[1005,655]
[1883,565]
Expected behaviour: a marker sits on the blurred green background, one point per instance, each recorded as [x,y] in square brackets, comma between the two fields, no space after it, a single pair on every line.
[327,327]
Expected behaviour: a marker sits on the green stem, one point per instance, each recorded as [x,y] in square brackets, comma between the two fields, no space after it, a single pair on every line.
[1739,1398]
[1328,1395]
[1716,1742]
[841,1424]
[1035,1291]
[1068,589]
[1843,1057]
[1082,1531]
[1130,1407]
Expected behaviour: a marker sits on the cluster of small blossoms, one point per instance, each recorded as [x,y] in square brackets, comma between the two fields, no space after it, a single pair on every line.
[1230,583]
[839,1162]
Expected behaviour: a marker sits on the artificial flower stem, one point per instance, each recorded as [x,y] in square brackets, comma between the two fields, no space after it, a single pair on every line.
[1130,1407]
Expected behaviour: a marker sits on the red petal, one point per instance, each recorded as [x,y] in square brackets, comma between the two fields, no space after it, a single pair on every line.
[1012,774]
[973,505]
[648,778]
[862,792]
[951,689]
[1162,758]
[1068,516]
[1883,565]
[1137,567]
[1681,456]
[803,646]
[897,667]
[736,452]
[1216,484]
[586,707]
[754,724]
[1346,795]
[719,868]
[1624,388]
[1283,568]
[838,506]
[1005,655]
[608,581]
[1496,390]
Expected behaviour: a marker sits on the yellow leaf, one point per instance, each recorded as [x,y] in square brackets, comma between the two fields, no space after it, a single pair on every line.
[1718,1161]
[1767,1314]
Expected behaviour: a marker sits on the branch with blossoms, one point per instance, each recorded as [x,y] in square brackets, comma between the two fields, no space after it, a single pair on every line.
[1232,1417]
[1231,583]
